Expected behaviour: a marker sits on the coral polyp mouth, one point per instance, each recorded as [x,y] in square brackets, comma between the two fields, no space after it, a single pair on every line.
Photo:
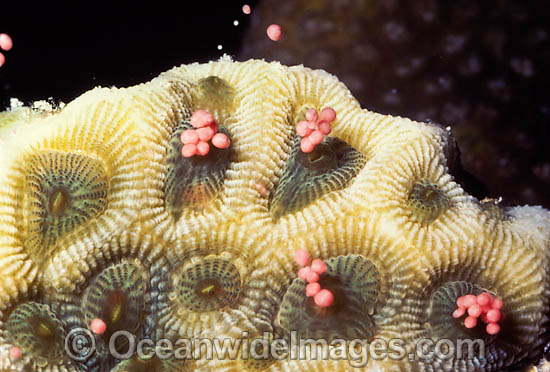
[427,201]
[58,201]
[195,181]
[444,303]
[114,307]
[209,288]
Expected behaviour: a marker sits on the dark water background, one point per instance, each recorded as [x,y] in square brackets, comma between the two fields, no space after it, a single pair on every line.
[482,67]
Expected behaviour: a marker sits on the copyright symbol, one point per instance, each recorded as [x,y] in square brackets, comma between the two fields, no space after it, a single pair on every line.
[80,344]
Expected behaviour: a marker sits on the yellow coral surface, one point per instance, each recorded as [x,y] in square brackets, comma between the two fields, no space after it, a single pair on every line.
[100,216]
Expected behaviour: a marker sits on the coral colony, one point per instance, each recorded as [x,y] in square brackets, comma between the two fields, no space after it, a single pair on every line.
[216,282]
[394,228]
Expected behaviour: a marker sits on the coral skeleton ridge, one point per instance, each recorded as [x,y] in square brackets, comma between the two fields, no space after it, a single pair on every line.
[102,219]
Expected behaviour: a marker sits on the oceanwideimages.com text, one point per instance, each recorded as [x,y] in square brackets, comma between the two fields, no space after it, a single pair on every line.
[80,344]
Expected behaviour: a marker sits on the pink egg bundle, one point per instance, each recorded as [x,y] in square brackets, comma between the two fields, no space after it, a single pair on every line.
[483,305]
[314,129]
[195,141]
[321,297]
[98,326]
[260,188]
[274,32]
[15,353]
[5,44]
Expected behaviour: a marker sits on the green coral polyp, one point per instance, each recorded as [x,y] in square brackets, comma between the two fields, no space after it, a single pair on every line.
[35,329]
[64,190]
[427,201]
[355,282]
[209,285]
[442,326]
[117,296]
[194,181]
[492,208]
[331,166]
[443,303]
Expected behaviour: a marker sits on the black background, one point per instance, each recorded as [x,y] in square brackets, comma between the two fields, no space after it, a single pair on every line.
[61,52]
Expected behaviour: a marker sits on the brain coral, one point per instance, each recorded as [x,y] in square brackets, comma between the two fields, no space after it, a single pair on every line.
[101,217]
[476,65]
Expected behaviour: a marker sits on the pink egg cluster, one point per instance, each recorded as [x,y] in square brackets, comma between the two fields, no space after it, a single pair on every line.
[195,141]
[483,305]
[321,297]
[274,32]
[15,353]
[314,129]
[5,44]
[98,326]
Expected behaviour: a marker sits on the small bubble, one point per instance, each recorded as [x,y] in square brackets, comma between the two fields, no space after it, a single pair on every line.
[235,23]
[220,47]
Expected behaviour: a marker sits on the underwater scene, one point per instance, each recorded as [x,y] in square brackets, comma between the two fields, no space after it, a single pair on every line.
[308,185]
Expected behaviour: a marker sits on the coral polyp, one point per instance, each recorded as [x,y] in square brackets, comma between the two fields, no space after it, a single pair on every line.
[209,285]
[107,225]
[330,166]
[116,296]
[64,191]
[427,202]
[37,331]
[355,284]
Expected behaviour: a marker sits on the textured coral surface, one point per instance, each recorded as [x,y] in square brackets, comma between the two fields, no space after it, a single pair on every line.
[101,217]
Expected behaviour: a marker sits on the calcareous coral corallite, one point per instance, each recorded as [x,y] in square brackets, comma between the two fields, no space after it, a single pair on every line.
[101,217]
